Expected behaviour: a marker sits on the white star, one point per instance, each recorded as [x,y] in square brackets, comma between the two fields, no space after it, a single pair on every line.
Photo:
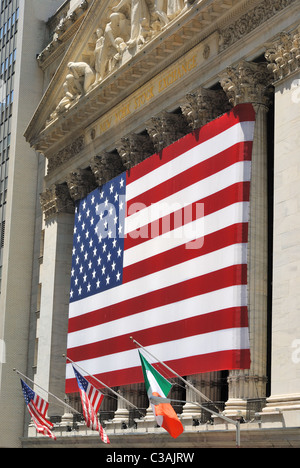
[107,279]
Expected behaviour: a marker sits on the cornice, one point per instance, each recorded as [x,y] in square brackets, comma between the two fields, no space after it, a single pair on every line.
[232,19]
[190,28]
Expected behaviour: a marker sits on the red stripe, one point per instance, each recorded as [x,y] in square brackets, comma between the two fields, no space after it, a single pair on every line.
[233,275]
[233,194]
[236,153]
[231,359]
[220,320]
[242,113]
[237,233]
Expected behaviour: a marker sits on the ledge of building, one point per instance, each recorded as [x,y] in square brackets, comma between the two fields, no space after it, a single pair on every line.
[253,435]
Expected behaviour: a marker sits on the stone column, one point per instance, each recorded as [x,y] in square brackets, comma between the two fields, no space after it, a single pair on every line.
[203,106]
[199,108]
[283,406]
[58,210]
[134,148]
[249,82]
[166,128]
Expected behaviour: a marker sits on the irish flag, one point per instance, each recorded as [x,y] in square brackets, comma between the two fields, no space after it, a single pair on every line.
[157,385]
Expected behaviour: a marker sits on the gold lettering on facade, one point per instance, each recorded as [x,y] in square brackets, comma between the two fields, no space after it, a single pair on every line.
[157,85]
[177,73]
[143,97]
[105,125]
[122,112]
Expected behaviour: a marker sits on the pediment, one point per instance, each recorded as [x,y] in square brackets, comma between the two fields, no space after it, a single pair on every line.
[119,46]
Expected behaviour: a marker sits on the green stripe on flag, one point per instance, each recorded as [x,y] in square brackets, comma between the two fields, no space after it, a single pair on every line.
[163,383]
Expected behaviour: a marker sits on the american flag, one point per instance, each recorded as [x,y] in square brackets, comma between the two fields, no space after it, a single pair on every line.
[91,400]
[160,254]
[37,408]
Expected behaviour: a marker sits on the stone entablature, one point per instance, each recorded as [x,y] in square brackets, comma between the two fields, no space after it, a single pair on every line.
[86,94]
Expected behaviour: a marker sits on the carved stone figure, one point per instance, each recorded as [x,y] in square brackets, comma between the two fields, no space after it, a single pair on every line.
[110,44]
[139,13]
[98,53]
[83,74]
[174,7]
[72,92]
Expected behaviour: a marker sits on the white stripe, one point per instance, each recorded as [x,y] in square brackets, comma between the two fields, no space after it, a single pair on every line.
[221,340]
[232,255]
[238,172]
[154,385]
[198,229]
[240,132]
[233,296]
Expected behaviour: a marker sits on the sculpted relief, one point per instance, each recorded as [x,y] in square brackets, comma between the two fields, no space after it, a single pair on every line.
[129,25]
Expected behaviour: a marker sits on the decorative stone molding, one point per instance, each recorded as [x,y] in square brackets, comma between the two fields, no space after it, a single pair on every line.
[284,54]
[248,82]
[250,21]
[56,160]
[60,29]
[106,166]
[81,183]
[134,148]
[203,106]
[56,199]
[165,128]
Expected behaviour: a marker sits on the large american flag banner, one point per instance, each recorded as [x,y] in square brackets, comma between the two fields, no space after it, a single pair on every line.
[37,408]
[160,254]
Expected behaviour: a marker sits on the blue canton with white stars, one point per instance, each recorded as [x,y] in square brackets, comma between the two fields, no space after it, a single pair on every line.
[27,392]
[82,382]
[98,242]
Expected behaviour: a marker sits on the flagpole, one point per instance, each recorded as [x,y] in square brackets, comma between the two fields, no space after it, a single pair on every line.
[173,372]
[49,393]
[102,383]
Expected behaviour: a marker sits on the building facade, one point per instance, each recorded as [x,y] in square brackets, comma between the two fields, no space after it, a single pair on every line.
[168,69]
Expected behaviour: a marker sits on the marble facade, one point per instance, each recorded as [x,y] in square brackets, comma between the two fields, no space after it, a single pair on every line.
[130,78]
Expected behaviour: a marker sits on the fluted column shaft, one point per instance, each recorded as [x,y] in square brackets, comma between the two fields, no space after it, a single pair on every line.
[249,82]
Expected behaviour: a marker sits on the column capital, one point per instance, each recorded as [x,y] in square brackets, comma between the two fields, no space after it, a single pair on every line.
[56,199]
[134,148]
[283,54]
[166,128]
[106,166]
[80,183]
[203,106]
[247,82]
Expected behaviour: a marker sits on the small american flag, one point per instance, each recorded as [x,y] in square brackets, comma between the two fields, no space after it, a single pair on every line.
[160,254]
[37,408]
[91,400]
